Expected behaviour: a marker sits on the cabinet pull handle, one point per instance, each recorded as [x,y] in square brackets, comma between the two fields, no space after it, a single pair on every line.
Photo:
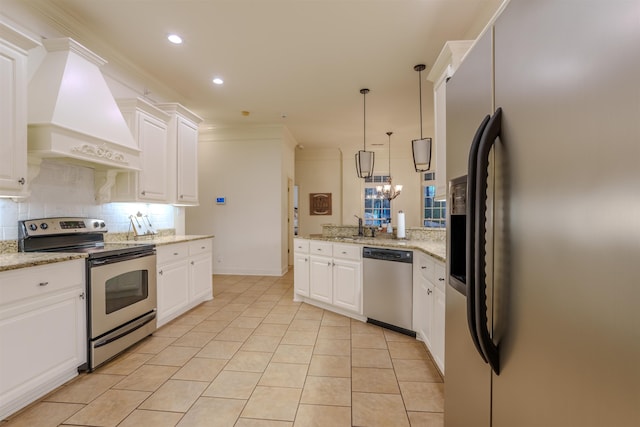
[160,272]
[441,279]
[424,267]
[175,253]
[144,192]
[21,181]
[81,295]
[182,196]
[202,247]
[43,283]
[344,253]
[305,260]
[192,263]
[428,291]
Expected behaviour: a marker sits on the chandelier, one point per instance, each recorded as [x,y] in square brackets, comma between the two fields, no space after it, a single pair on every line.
[389,191]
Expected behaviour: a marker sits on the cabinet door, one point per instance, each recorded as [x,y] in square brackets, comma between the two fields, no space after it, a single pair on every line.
[152,138]
[201,278]
[321,278]
[42,339]
[437,335]
[301,274]
[424,310]
[13,121]
[173,290]
[187,157]
[347,285]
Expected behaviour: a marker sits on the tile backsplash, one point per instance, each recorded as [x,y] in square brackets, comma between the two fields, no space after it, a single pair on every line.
[63,189]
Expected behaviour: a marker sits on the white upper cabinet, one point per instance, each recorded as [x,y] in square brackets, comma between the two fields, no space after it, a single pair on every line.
[14,47]
[149,126]
[444,67]
[183,154]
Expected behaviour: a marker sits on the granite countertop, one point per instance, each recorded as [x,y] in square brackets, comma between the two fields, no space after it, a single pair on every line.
[434,248]
[168,240]
[15,260]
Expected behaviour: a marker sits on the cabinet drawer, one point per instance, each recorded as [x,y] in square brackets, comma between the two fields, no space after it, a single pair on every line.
[426,265]
[174,252]
[301,246]
[321,248]
[440,276]
[353,252]
[200,246]
[40,280]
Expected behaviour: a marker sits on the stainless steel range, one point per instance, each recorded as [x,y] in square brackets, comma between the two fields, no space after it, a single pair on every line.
[121,281]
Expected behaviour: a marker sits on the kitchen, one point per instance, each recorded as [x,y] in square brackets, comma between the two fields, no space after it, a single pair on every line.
[276,262]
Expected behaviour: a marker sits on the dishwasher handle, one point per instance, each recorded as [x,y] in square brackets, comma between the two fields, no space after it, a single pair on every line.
[388,255]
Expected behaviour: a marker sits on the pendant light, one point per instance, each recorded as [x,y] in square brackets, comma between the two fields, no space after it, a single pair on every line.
[421,147]
[389,191]
[364,158]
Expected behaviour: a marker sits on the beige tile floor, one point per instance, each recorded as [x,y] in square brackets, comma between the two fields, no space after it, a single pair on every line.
[252,357]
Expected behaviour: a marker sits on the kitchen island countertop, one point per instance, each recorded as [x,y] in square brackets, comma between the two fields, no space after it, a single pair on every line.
[434,248]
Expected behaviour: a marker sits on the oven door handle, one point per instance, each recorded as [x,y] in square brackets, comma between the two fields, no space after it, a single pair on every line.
[126,329]
[110,260]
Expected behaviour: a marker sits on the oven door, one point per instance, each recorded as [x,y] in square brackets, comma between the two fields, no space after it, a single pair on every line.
[121,289]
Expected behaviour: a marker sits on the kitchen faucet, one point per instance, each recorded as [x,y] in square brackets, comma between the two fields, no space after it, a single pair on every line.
[360,229]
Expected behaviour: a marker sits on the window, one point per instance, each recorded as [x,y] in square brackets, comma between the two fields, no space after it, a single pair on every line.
[434,212]
[377,211]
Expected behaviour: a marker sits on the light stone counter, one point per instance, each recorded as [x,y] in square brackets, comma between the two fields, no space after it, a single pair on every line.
[168,240]
[15,260]
[434,248]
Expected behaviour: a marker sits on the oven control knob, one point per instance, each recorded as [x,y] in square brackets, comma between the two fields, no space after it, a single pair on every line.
[33,227]
[103,225]
[44,225]
[96,224]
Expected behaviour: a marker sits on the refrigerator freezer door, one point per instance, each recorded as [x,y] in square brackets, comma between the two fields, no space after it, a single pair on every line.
[567,79]
[468,380]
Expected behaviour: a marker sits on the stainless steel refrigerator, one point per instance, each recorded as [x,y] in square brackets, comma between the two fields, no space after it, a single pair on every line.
[543,159]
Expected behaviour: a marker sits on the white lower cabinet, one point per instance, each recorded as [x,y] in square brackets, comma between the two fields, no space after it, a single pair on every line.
[429,304]
[184,277]
[329,274]
[321,278]
[43,336]
[347,284]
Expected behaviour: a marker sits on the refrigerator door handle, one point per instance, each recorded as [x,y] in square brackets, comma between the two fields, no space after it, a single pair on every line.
[489,136]
[470,235]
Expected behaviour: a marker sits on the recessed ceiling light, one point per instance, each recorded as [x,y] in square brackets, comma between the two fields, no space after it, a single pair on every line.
[174,38]
[218,81]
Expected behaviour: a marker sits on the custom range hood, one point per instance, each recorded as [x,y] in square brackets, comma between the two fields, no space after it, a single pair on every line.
[72,113]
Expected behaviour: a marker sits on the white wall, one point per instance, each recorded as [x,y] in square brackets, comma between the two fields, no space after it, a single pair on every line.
[247,166]
[318,171]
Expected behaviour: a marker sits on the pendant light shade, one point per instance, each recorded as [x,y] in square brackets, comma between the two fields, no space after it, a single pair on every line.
[364,159]
[421,154]
[421,147]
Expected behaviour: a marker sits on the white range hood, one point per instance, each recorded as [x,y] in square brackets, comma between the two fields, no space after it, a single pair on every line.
[72,113]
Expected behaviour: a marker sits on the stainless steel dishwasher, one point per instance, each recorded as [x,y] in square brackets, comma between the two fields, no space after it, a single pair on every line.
[388,288]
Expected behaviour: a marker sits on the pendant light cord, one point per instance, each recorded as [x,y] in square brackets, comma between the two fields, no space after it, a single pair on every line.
[364,117]
[389,134]
[419,68]
[420,89]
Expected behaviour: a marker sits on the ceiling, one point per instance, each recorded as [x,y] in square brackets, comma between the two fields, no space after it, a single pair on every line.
[300,63]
